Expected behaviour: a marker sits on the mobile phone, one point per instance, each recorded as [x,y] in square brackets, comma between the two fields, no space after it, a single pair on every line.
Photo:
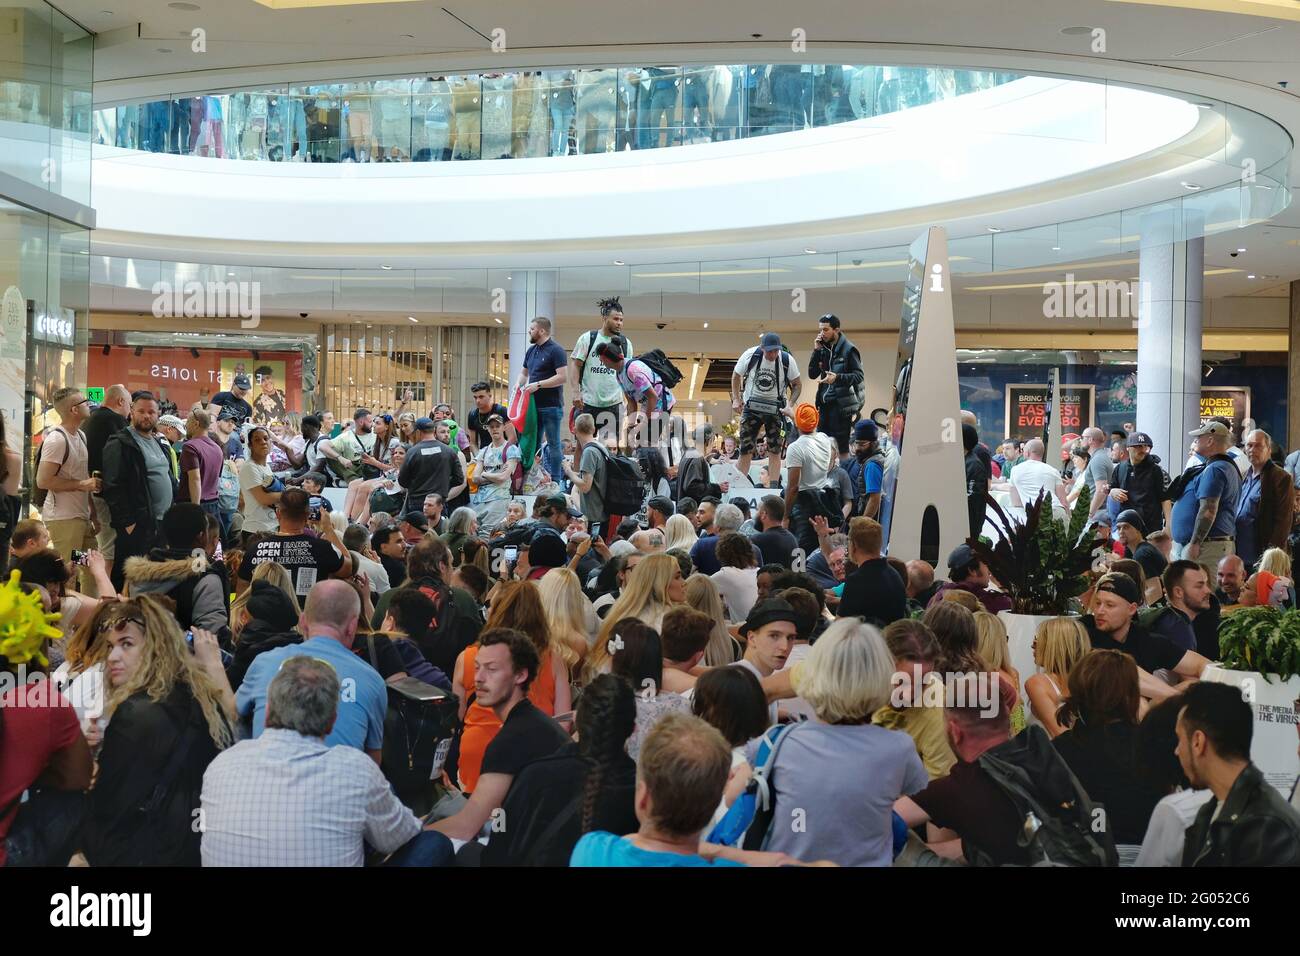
[79,558]
[512,554]
[315,505]
[189,640]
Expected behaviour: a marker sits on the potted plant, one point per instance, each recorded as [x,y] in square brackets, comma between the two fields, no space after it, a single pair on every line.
[1042,564]
[1259,651]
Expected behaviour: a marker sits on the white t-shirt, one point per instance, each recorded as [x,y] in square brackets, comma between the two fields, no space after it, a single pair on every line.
[772,708]
[60,505]
[739,590]
[1167,830]
[812,454]
[257,517]
[1030,478]
[762,384]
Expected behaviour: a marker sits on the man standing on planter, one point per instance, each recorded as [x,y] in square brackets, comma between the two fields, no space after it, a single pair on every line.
[1204,519]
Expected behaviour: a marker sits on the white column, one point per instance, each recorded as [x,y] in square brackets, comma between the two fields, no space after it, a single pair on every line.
[532,293]
[1169,340]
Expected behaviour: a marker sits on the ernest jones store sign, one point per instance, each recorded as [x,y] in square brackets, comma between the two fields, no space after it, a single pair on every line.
[1027,409]
[173,374]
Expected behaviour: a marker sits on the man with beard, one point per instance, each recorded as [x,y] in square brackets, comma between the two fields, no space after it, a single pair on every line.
[234,402]
[1138,482]
[269,405]
[543,374]
[1190,619]
[354,446]
[835,362]
[138,482]
[866,470]
[595,388]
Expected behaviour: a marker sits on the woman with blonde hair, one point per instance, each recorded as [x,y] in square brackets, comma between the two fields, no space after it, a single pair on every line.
[995,652]
[172,712]
[1059,644]
[841,766]
[516,605]
[703,596]
[1276,561]
[566,613]
[679,533]
[652,588]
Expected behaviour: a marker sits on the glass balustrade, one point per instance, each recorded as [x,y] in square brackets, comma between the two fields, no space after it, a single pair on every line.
[525,114]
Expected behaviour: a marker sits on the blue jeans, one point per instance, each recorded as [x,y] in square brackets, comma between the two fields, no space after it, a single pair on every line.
[426,848]
[548,422]
[562,111]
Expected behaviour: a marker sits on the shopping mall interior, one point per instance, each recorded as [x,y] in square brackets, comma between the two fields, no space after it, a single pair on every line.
[334,179]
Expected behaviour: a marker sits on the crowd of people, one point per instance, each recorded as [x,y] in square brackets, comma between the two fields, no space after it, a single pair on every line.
[393,641]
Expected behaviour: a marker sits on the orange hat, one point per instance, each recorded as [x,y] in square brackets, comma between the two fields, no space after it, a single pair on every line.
[806,417]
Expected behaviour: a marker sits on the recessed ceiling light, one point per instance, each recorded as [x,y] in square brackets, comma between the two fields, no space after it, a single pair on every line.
[497,321]
[706,325]
[1250,277]
[810,250]
[1192,186]
[1076,31]
[385,268]
[413,318]
[230,274]
[83,252]
[1205,106]
[1056,248]
[184,6]
[1241,248]
[618,262]
[992,228]
[510,278]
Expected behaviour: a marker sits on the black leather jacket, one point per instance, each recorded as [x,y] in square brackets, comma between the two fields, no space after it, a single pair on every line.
[1256,827]
[842,358]
[126,481]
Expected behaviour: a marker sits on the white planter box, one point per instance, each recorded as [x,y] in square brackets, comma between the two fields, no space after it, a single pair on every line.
[1276,706]
[1020,636]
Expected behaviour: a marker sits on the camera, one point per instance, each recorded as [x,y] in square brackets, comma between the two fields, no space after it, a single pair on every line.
[661,326]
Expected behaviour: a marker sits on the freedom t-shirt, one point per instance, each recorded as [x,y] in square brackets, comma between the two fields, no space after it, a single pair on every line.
[600,385]
[307,558]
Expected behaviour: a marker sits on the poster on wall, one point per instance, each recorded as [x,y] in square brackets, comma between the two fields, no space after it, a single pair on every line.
[1226,401]
[173,375]
[1027,406]
[13,363]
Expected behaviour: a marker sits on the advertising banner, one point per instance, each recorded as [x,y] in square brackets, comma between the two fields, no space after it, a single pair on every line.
[1226,401]
[1027,408]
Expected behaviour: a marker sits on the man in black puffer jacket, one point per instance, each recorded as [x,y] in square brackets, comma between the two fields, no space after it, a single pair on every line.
[183,572]
[840,393]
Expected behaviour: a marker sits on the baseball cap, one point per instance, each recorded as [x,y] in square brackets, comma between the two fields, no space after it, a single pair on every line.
[1120,585]
[1139,438]
[1210,428]
[766,612]
[173,421]
[661,504]
[241,381]
[561,503]
[771,341]
[866,430]
[424,424]
[417,520]
[961,556]
[547,551]
[494,417]
[1131,517]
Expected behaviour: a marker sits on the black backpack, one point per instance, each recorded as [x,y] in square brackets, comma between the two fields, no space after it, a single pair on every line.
[450,632]
[1179,484]
[1062,826]
[620,340]
[625,486]
[655,360]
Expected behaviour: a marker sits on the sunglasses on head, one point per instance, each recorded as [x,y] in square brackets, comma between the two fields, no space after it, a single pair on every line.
[119,624]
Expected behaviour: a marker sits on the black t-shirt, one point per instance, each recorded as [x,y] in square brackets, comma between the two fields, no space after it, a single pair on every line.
[968,802]
[1151,651]
[527,735]
[430,468]
[1152,561]
[475,422]
[233,407]
[307,558]
[776,545]
[1103,760]
[977,489]
[396,569]
[876,592]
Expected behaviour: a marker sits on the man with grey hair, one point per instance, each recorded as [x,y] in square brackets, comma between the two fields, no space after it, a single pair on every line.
[287,798]
[1266,506]
[329,622]
[704,554]
[1203,521]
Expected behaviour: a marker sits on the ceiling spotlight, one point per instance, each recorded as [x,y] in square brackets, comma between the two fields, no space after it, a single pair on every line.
[386,268]
[230,275]
[1250,277]
[1192,186]
[706,325]
[810,250]
[413,318]
[1241,248]
[1056,248]
[497,320]
[992,228]
[619,262]
[1204,106]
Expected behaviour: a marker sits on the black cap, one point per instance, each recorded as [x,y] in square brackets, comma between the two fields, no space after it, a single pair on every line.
[1139,438]
[547,551]
[241,381]
[1121,585]
[1129,516]
[416,519]
[494,417]
[661,504]
[765,612]
[270,604]
[560,503]
[866,430]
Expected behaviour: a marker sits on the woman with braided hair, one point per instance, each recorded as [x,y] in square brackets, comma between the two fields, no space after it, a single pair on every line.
[587,785]
[171,712]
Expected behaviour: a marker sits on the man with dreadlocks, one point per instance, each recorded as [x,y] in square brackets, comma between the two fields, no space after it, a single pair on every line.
[593,384]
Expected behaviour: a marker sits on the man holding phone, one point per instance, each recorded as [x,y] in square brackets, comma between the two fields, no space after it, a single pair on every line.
[307,557]
[835,362]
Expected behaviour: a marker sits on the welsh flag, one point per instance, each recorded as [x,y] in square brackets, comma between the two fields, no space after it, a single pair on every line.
[523,415]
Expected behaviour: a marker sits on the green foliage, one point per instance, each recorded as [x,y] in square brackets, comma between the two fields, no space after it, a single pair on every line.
[1263,639]
[1041,563]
